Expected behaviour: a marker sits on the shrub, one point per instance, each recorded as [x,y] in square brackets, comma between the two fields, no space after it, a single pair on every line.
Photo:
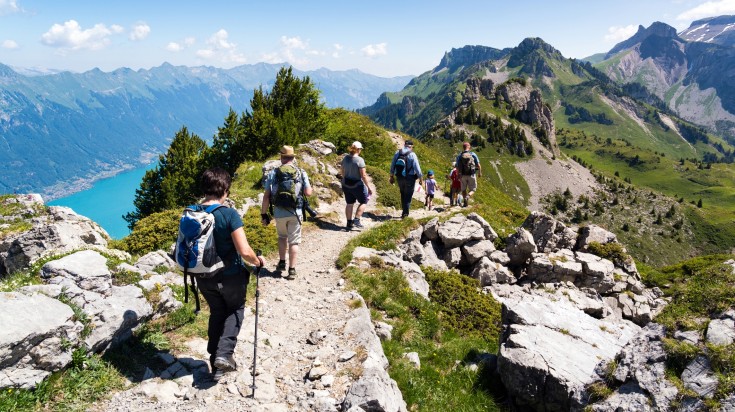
[612,251]
[154,232]
[263,238]
[389,195]
[465,309]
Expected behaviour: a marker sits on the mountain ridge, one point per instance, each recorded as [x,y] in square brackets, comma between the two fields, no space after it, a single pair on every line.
[62,130]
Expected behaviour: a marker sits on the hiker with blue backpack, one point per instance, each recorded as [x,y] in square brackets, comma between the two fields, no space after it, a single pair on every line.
[213,249]
[285,188]
[406,169]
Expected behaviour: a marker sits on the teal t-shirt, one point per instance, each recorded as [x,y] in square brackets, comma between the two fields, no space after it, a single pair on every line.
[226,221]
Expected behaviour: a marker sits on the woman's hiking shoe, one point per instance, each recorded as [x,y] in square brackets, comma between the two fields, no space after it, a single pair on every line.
[281,266]
[356,223]
[225,364]
[291,274]
[217,374]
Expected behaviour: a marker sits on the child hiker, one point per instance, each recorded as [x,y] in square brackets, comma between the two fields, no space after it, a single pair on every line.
[456,187]
[430,189]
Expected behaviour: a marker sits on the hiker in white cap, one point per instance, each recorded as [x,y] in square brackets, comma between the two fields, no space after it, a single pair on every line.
[355,185]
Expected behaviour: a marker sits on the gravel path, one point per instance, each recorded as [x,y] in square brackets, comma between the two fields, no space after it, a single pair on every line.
[300,330]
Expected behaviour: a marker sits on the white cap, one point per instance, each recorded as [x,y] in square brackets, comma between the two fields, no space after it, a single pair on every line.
[357,145]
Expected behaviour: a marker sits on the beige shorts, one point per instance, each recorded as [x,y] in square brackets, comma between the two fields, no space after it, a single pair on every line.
[289,228]
[469,183]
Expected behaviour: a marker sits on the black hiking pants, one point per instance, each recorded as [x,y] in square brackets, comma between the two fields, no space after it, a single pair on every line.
[406,185]
[225,295]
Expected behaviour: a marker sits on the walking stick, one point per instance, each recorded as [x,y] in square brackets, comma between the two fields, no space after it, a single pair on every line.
[255,342]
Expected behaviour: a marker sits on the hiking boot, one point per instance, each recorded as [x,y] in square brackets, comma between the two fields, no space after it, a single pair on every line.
[225,363]
[217,374]
[349,224]
[291,274]
[281,266]
[356,223]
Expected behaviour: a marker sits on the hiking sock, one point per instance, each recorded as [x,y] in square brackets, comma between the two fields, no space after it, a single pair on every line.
[349,224]
[281,265]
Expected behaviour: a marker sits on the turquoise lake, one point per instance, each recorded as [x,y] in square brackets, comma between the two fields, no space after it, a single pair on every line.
[107,201]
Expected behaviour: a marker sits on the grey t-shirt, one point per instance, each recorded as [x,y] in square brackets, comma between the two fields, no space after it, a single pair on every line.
[351,166]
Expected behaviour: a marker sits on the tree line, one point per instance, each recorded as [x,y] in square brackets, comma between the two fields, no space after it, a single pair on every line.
[289,114]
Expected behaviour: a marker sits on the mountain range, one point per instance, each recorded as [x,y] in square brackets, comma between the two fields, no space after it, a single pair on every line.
[59,131]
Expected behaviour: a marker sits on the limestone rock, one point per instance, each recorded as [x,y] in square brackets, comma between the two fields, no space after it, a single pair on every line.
[536,329]
[412,272]
[150,261]
[459,230]
[86,269]
[699,377]
[629,397]
[520,247]
[594,233]
[431,229]
[488,230]
[38,334]
[61,231]
[549,234]
[721,331]
[490,273]
[477,249]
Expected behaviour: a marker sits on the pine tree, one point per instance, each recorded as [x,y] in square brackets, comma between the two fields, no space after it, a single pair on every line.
[174,181]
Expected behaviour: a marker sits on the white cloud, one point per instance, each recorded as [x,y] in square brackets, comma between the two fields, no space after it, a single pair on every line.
[174,47]
[139,32]
[294,43]
[616,34]
[374,50]
[271,58]
[8,7]
[337,48]
[71,36]
[9,44]
[189,41]
[220,49]
[708,9]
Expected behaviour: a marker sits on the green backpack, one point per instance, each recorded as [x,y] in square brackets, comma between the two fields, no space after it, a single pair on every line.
[288,184]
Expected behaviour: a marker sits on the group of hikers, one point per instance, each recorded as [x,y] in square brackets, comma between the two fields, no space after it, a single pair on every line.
[286,188]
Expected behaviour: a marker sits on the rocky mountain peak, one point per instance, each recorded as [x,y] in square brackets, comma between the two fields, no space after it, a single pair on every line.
[531,54]
[467,56]
[657,29]
[717,30]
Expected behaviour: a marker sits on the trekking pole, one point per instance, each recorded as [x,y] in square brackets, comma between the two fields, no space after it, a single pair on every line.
[255,341]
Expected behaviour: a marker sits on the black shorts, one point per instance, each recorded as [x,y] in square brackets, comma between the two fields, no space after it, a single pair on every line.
[431,196]
[358,194]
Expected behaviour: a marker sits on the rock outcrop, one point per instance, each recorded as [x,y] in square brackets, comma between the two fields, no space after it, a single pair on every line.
[54,231]
[566,311]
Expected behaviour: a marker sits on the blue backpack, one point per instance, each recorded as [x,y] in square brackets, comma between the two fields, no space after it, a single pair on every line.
[401,166]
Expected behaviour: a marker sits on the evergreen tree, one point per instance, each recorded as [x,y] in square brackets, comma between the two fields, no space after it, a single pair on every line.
[174,181]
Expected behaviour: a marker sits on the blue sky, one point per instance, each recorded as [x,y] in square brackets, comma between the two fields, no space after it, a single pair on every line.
[385,38]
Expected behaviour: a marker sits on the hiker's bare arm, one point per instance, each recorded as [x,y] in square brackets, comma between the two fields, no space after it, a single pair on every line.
[363,176]
[244,249]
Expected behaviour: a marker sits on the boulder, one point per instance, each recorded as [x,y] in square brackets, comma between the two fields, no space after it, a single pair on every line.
[459,230]
[430,258]
[431,229]
[538,330]
[38,335]
[558,266]
[549,234]
[490,273]
[86,269]
[58,232]
[520,247]
[598,272]
[629,397]
[488,230]
[721,331]
[153,260]
[643,361]
[453,257]
[374,390]
[114,317]
[477,249]
[699,377]
[594,233]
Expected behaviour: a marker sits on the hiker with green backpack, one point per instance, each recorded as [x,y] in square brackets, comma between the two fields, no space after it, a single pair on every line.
[285,188]
[212,248]
[468,166]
